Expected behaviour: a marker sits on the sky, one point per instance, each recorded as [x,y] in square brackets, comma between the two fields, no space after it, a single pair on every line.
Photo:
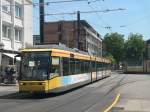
[135,19]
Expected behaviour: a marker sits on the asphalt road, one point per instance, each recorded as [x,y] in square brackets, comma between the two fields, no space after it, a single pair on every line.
[94,97]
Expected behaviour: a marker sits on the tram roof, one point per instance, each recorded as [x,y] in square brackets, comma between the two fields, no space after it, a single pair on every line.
[50,47]
[64,51]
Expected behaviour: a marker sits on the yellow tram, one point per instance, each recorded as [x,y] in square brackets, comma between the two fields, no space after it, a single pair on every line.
[55,70]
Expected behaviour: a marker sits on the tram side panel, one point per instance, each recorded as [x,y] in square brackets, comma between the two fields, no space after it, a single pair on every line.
[99,70]
[107,71]
[104,70]
[93,71]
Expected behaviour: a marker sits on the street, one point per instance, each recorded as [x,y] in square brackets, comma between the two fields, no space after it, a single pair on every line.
[94,97]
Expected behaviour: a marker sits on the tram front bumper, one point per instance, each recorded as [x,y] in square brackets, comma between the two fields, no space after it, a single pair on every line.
[33,86]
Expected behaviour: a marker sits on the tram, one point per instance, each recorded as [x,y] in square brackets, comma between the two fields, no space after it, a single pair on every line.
[55,70]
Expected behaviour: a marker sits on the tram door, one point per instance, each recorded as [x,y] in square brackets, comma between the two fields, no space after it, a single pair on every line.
[54,73]
[94,73]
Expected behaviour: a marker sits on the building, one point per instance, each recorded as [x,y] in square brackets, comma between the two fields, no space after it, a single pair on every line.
[36,39]
[66,32]
[15,28]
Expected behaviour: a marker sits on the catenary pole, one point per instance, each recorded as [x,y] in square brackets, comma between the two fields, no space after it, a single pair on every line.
[41,7]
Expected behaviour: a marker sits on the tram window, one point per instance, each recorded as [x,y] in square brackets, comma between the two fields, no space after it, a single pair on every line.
[87,66]
[108,65]
[77,67]
[72,66]
[99,67]
[66,66]
[55,68]
[82,66]
[104,66]
[93,66]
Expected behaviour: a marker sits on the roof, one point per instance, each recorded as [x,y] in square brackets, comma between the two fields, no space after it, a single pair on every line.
[66,51]
[52,46]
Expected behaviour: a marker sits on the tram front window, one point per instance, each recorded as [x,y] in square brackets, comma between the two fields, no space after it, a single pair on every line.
[35,66]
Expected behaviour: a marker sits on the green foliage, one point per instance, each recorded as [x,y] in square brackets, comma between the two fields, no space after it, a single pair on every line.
[114,45]
[135,47]
[111,58]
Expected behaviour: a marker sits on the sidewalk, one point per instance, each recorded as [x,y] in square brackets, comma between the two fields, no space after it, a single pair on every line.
[135,94]
[6,89]
[3,84]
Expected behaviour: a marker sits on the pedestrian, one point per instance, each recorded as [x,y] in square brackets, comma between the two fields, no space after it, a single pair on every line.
[12,74]
[7,74]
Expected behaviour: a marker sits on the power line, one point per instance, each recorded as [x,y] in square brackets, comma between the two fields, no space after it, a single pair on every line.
[93,1]
[55,2]
[135,22]
[99,16]
[108,26]
[87,12]
[84,12]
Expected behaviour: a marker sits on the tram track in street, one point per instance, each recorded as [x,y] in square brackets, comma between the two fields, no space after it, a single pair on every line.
[85,98]
[102,85]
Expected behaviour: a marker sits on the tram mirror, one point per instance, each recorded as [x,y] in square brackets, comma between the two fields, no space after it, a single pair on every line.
[55,61]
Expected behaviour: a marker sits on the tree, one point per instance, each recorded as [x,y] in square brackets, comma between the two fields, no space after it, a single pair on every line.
[135,47]
[111,58]
[114,45]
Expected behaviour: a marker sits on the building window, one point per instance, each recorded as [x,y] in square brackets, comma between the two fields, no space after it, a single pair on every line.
[18,34]
[6,31]
[6,6]
[18,11]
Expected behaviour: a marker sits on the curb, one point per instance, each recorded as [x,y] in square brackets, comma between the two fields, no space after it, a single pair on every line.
[114,103]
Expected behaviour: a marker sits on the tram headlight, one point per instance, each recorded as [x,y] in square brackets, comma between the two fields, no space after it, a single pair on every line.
[22,83]
[42,83]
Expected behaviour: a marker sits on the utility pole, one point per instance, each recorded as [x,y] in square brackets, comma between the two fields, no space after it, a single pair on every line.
[78,29]
[1,53]
[41,7]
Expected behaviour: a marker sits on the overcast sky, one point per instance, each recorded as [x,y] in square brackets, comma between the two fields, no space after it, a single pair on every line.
[136,17]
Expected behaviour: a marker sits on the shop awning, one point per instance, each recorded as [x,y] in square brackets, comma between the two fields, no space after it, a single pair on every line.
[12,56]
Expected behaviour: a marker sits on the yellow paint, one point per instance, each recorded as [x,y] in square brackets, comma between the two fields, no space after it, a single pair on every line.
[33,86]
[82,57]
[93,58]
[60,53]
[113,104]
[99,59]
[55,83]
[64,53]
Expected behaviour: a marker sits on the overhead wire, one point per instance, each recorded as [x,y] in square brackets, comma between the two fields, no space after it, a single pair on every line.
[84,12]
[53,2]
[135,22]
[97,14]
[73,13]
[100,16]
